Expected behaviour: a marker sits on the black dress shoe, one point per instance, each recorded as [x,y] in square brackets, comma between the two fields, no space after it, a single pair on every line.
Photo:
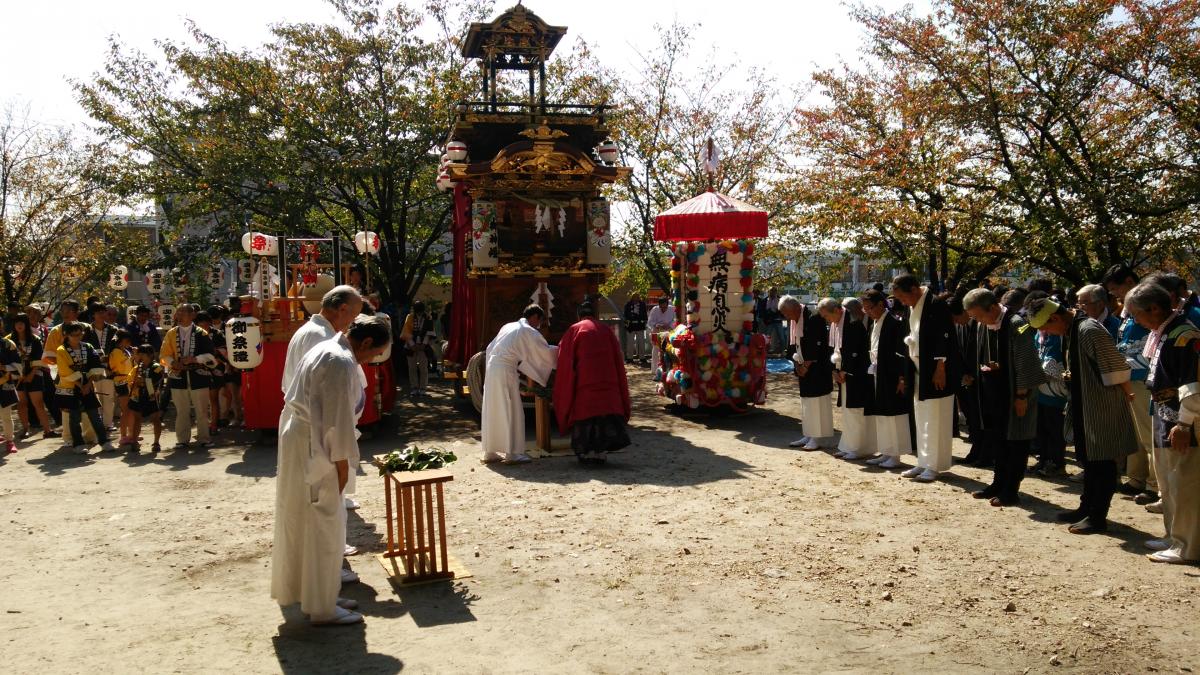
[1089,525]
[986,493]
[1128,490]
[1005,501]
[1146,497]
[1069,516]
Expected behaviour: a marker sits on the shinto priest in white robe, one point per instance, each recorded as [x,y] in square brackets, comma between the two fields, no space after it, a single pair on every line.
[518,349]
[323,404]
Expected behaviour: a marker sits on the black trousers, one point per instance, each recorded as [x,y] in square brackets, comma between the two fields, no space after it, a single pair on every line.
[1099,484]
[1052,443]
[1011,459]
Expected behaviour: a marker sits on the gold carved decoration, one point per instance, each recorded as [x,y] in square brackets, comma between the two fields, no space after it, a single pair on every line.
[543,133]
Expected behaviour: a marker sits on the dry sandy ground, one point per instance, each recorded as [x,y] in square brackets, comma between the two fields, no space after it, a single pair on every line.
[708,546]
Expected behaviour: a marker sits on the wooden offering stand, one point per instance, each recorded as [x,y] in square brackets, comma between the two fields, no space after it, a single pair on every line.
[416,525]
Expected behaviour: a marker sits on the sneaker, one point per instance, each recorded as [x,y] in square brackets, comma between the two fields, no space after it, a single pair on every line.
[66,447]
[51,434]
[913,472]
[107,446]
[1158,544]
[79,449]
[204,445]
[179,447]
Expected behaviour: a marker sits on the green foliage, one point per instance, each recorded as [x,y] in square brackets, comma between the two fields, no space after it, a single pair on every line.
[414,458]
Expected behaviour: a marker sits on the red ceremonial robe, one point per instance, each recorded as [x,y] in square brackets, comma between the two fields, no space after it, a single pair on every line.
[590,380]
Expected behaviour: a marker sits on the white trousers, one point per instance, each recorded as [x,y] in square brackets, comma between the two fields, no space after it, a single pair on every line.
[188,401]
[106,391]
[858,432]
[816,413]
[935,432]
[638,338]
[891,435]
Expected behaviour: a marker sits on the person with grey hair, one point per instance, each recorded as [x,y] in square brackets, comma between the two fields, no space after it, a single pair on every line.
[340,306]
[890,371]
[1011,371]
[1093,300]
[848,341]
[518,349]
[814,366]
[318,452]
[1174,351]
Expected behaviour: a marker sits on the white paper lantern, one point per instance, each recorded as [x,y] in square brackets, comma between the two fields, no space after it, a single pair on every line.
[243,338]
[165,315]
[456,151]
[245,270]
[608,152]
[366,243]
[215,277]
[156,281]
[118,279]
[257,243]
[444,182]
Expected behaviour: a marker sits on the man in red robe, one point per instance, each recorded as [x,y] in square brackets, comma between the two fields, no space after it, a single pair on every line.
[591,392]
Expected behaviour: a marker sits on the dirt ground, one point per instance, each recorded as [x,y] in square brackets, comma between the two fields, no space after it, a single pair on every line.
[707,546]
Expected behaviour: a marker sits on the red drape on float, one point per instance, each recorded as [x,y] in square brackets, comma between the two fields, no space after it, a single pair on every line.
[461,344]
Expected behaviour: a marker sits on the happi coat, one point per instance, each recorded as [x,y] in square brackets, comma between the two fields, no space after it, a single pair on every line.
[591,380]
[1100,414]
[323,404]
[518,349]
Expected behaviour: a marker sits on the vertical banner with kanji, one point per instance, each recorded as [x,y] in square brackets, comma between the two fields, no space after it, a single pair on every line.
[599,240]
[484,244]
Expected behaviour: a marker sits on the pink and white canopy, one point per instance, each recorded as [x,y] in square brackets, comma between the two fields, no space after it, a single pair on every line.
[711,215]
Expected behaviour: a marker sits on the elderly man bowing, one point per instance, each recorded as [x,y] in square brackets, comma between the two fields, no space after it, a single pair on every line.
[517,349]
[318,446]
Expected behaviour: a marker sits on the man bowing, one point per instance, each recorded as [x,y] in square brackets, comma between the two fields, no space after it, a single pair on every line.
[517,349]
[317,448]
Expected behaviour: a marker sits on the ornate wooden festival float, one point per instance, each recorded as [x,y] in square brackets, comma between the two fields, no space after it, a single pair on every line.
[530,222]
[275,308]
[712,358]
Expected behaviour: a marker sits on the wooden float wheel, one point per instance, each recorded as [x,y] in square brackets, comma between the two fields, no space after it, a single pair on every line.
[476,369]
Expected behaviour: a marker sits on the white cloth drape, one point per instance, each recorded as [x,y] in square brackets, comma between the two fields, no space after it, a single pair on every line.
[935,432]
[517,349]
[322,407]
[891,435]
[816,414]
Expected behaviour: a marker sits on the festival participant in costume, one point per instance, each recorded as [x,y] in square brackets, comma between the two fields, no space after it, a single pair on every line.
[340,307]
[634,316]
[1052,399]
[53,339]
[418,335]
[662,319]
[1131,342]
[1173,349]
[891,381]
[591,393]
[99,334]
[934,351]
[1177,287]
[31,386]
[120,364]
[1098,379]
[814,366]
[143,330]
[10,373]
[518,349]
[79,366]
[187,353]
[318,450]
[851,358]
[146,396]
[1011,372]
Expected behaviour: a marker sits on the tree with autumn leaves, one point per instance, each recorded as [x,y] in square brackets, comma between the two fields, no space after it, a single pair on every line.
[1059,134]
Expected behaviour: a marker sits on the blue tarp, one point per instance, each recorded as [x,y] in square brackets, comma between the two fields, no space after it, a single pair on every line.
[780,366]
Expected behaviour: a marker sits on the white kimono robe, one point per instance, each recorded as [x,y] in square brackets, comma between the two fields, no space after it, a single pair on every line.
[517,349]
[323,404]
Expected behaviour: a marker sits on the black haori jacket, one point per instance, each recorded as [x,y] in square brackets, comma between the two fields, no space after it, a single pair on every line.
[859,389]
[893,364]
[814,347]
[936,339]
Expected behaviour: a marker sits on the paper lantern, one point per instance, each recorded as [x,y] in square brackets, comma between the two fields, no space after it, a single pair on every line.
[245,270]
[243,338]
[443,182]
[156,281]
[608,152]
[456,151]
[215,277]
[366,243]
[257,243]
[131,314]
[118,279]
[165,316]
[314,293]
